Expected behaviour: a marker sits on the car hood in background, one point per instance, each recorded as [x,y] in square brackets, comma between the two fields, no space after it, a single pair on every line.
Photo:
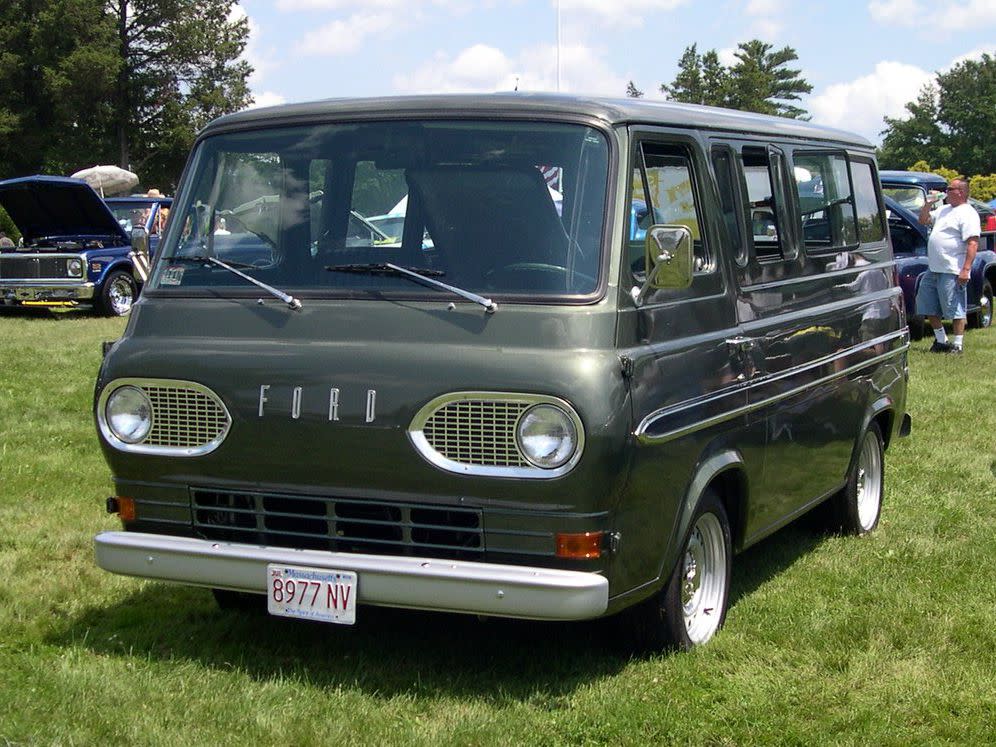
[56,206]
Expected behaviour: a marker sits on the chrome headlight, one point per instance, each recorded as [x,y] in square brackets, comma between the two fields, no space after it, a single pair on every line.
[547,436]
[128,413]
[74,267]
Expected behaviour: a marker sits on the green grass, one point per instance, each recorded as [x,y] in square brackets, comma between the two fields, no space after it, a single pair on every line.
[887,639]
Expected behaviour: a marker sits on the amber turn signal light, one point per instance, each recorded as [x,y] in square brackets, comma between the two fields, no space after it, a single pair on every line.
[579,545]
[126,509]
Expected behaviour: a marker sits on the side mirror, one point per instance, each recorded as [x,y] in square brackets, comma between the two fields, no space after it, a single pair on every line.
[667,258]
[140,253]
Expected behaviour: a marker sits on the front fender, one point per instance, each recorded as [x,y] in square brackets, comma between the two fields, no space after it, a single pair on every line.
[705,473]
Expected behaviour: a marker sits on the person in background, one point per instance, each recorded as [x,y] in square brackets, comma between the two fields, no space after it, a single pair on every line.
[951,248]
[5,241]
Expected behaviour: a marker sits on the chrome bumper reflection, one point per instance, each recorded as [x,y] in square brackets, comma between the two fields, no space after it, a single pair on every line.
[32,290]
[416,583]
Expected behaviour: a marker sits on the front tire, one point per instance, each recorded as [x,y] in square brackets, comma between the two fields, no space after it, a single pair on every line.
[858,507]
[691,608]
[117,294]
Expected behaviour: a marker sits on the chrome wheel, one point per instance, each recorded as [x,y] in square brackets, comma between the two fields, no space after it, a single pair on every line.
[121,296]
[118,294]
[868,482]
[703,579]
[986,309]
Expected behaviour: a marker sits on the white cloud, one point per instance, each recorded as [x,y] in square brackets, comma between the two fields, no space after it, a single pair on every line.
[402,7]
[267,98]
[766,29]
[950,17]
[763,7]
[727,56]
[895,12]
[262,60]
[482,68]
[617,12]
[344,37]
[861,104]
[975,54]
[767,23]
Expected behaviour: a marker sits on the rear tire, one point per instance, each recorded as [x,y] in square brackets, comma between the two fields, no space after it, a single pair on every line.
[858,507]
[918,327]
[117,294]
[691,608]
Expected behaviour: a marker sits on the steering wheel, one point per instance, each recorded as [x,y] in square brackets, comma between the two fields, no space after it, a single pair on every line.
[544,276]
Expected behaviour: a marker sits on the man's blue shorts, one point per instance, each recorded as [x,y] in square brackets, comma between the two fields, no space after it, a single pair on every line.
[941,295]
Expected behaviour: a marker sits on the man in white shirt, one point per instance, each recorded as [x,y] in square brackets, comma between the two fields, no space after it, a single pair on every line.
[951,248]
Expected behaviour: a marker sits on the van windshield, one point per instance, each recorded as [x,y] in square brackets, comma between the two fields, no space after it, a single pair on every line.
[492,207]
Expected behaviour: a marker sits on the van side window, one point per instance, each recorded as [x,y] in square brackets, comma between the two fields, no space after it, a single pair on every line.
[765,220]
[729,202]
[826,206]
[664,192]
[870,228]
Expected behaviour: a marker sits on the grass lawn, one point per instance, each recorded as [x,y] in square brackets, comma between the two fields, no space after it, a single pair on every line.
[888,639]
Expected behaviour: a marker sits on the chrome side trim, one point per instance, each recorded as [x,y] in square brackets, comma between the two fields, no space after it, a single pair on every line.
[426,450]
[526,592]
[156,450]
[671,410]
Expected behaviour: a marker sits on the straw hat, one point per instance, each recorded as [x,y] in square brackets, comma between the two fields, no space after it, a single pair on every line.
[153,193]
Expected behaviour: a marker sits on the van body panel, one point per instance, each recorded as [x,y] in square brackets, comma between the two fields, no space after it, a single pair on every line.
[755,384]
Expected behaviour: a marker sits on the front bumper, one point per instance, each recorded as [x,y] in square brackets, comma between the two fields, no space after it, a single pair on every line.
[416,583]
[32,290]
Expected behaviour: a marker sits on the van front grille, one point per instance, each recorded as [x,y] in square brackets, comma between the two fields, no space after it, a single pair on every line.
[477,432]
[338,524]
[184,418]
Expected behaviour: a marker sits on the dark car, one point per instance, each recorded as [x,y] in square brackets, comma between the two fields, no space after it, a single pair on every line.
[77,248]
[909,245]
[911,188]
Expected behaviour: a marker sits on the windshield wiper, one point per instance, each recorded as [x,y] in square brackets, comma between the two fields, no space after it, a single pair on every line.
[288,299]
[419,275]
[203,259]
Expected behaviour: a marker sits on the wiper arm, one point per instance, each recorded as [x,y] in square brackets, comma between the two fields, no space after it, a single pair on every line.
[419,276]
[203,259]
[383,268]
[288,299]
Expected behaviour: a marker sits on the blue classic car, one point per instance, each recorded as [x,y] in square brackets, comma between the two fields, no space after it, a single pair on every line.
[76,248]
[909,245]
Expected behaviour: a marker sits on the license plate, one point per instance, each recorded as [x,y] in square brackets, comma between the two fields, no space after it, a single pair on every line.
[311,593]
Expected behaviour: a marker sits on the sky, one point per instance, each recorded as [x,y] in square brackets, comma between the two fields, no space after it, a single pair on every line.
[864,58]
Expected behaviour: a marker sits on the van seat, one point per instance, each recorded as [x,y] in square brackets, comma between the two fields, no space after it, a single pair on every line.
[488,218]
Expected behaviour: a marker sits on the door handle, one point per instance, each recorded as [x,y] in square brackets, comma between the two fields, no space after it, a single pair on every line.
[741,343]
[740,348]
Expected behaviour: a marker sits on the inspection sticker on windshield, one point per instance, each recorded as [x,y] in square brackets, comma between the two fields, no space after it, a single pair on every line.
[172,276]
[311,593]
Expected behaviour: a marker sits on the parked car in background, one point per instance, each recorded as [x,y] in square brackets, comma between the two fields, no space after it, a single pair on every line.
[909,245]
[77,249]
[911,188]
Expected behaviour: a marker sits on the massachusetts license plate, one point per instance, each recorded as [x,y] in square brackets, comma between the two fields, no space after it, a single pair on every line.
[311,593]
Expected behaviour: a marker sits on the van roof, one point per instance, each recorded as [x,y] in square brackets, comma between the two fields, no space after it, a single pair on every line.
[534,106]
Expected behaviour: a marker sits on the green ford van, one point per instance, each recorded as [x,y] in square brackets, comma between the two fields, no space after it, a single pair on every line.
[605,346]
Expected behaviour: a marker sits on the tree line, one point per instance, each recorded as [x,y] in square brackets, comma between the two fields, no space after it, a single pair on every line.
[125,82]
[951,124]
